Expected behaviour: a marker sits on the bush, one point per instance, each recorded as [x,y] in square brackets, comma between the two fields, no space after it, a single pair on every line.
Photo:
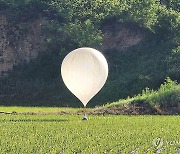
[168,95]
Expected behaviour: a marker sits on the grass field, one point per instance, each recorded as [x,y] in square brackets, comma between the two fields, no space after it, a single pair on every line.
[53,133]
[38,110]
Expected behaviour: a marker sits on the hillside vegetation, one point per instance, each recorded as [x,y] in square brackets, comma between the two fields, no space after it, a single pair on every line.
[79,23]
[165,100]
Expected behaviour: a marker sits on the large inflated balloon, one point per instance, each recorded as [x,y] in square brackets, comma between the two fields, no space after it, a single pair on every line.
[84,72]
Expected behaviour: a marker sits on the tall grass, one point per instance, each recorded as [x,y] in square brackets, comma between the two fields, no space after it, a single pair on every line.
[168,95]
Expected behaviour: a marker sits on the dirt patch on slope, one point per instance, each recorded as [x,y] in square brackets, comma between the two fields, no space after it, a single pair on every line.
[20,42]
[120,36]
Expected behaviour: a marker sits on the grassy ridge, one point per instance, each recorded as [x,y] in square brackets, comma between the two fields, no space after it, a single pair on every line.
[168,95]
[100,134]
[46,110]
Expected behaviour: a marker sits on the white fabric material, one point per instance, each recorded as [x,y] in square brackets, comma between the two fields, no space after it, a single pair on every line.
[84,72]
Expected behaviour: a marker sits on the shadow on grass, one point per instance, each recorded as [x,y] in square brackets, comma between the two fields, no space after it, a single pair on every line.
[34,120]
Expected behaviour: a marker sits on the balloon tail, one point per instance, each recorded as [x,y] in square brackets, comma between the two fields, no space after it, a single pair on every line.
[84,115]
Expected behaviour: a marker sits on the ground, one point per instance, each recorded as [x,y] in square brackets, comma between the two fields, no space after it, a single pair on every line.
[47,132]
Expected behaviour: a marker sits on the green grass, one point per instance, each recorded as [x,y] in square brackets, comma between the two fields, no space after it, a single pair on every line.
[38,110]
[100,134]
[168,95]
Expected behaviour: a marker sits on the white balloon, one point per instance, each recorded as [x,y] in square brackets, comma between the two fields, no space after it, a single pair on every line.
[84,72]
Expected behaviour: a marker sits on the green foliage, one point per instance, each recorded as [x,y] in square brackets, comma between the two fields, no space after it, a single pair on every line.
[172,4]
[168,25]
[29,8]
[173,62]
[144,12]
[168,95]
[95,10]
[100,134]
[84,33]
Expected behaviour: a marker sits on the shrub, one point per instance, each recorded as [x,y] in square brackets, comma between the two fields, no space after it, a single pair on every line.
[168,95]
